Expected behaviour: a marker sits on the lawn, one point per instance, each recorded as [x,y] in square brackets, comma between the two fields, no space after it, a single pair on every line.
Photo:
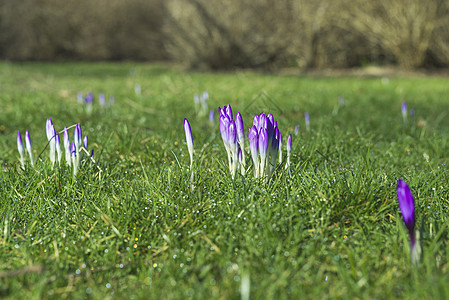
[134,225]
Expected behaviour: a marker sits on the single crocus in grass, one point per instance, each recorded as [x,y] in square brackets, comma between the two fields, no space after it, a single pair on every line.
[296,129]
[102,100]
[85,142]
[289,150]
[89,102]
[212,116]
[20,148]
[307,121]
[28,146]
[253,138]
[189,140]
[407,207]
[404,111]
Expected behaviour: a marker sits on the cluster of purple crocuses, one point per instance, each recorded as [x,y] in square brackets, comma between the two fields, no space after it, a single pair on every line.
[265,141]
[73,150]
[89,99]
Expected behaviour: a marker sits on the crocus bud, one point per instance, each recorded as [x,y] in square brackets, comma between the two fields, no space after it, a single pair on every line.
[274,149]
[232,138]
[240,135]
[256,122]
[212,116]
[20,148]
[280,146]
[28,146]
[407,207]
[102,99]
[240,129]
[51,138]
[67,148]
[74,160]
[85,142]
[289,149]
[58,147]
[189,140]
[228,111]
[404,111]
[253,138]
[307,121]
[263,146]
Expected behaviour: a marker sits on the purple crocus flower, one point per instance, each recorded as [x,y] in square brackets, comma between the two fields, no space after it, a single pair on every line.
[228,111]
[85,142]
[102,99]
[289,149]
[20,148]
[256,121]
[274,150]
[407,207]
[307,120]
[75,159]
[221,112]
[189,140]
[28,146]
[253,138]
[58,147]
[67,148]
[50,129]
[240,134]
[296,129]
[404,111]
[89,98]
[232,138]
[212,116]
[270,127]
[263,146]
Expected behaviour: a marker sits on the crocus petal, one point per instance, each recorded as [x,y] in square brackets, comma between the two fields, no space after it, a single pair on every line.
[20,148]
[406,204]
[228,111]
[253,138]
[263,142]
[58,147]
[19,144]
[189,140]
[289,144]
[240,129]
[28,146]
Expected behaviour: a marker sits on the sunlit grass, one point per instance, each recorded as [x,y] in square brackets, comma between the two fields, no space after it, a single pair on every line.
[328,227]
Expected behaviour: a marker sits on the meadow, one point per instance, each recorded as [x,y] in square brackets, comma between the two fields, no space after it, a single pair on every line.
[131,225]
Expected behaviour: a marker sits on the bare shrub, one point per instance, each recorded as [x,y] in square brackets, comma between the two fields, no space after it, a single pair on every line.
[223,34]
[402,27]
[81,29]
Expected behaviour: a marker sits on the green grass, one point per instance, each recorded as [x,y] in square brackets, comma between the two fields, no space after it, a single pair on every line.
[328,228]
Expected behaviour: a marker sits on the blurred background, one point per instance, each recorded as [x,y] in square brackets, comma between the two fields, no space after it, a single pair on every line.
[216,34]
